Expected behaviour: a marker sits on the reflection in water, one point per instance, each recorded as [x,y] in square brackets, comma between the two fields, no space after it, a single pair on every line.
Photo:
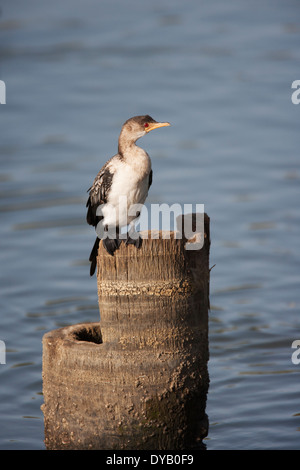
[237,288]
[37,204]
[49,224]
[22,364]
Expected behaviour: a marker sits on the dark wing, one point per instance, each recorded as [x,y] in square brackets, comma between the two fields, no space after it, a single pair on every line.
[98,195]
[150,179]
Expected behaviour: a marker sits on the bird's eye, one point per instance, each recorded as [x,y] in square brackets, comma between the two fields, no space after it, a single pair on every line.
[146,124]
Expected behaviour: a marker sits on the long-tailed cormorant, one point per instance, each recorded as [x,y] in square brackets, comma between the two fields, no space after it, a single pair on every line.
[123,181]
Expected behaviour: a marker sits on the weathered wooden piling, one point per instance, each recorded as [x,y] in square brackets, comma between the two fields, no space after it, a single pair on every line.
[139,379]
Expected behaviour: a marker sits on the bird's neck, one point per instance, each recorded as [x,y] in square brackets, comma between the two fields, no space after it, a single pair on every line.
[135,156]
[128,149]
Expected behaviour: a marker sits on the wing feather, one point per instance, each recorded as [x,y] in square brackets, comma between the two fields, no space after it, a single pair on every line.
[98,195]
[150,179]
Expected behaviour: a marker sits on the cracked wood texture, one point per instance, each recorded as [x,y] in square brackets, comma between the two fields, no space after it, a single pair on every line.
[138,379]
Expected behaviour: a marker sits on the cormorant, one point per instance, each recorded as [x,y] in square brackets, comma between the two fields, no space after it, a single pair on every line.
[123,181]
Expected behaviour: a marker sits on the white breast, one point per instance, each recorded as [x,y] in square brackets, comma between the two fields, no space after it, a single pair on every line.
[129,188]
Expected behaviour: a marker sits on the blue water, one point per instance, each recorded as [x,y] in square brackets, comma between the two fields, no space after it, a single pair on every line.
[221,73]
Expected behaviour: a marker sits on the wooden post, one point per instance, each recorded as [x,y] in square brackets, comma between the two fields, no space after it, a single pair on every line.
[141,381]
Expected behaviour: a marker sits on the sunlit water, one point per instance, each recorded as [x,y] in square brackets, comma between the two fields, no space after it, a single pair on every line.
[221,73]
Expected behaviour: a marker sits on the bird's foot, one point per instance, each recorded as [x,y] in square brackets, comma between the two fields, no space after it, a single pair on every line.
[111,245]
[136,240]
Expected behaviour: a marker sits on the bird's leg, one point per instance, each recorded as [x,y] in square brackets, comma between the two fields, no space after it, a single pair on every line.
[133,238]
[111,244]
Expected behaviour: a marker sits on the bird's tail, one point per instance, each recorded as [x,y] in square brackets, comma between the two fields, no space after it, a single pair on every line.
[93,256]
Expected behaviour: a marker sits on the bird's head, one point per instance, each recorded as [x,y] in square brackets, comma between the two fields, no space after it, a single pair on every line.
[138,126]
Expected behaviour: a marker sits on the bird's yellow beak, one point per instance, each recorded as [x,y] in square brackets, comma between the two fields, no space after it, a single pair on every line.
[156,125]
